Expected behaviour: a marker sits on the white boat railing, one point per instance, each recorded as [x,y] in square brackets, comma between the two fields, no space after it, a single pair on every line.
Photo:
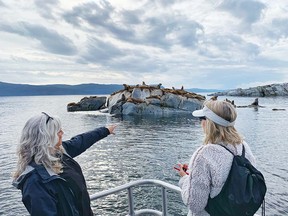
[130,185]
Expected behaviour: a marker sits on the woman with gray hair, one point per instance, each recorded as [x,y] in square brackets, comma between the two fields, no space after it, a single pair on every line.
[210,164]
[51,181]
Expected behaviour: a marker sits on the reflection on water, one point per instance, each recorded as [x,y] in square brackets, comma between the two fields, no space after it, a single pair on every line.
[145,148]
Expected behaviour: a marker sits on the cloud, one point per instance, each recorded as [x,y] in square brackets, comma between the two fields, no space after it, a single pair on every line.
[135,26]
[101,19]
[278,28]
[256,83]
[230,48]
[268,62]
[115,58]
[281,25]
[46,7]
[99,51]
[241,77]
[138,63]
[90,13]
[49,39]
[131,17]
[165,3]
[165,32]
[248,11]
[203,43]
[2,4]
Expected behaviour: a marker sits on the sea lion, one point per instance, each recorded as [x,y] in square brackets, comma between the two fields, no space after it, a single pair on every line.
[275,109]
[255,103]
[123,98]
[157,86]
[214,98]
[126,87]
[135,100]
[227,100]
[231,102]
[154,96]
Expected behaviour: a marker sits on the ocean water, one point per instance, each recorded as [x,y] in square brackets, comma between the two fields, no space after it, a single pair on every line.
[145,148]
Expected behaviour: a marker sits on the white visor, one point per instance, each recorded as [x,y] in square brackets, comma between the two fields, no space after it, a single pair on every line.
[206,112]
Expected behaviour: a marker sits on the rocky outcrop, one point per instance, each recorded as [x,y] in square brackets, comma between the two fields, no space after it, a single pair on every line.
[152,100]
[260,91]
[87,104]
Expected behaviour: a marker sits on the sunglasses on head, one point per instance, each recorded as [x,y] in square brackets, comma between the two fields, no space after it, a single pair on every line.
[48,117]
[202,118]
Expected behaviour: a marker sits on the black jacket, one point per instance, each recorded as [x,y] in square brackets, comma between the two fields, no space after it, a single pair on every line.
[46,193]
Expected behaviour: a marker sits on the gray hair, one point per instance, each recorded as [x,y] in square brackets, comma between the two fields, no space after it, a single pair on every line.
[37,143]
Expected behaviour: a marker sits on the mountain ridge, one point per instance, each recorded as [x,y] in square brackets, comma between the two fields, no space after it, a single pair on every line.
[13,89]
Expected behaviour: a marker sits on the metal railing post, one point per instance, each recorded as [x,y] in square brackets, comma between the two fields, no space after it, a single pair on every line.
[164,201]
[131,202]
[128,186]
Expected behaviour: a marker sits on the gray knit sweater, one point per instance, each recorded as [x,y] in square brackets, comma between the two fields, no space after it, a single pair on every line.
[208,170]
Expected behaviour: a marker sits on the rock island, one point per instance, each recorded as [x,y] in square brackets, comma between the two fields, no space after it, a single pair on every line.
[142,100]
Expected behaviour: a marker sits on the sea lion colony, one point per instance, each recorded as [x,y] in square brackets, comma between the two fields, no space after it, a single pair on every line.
[180,91]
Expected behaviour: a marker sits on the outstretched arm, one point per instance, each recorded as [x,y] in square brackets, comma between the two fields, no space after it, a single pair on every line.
[78,144]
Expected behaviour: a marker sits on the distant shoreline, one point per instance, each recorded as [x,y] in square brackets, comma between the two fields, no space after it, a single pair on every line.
[11,89]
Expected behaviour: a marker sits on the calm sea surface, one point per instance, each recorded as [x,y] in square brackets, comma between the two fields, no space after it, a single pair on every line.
[145,148]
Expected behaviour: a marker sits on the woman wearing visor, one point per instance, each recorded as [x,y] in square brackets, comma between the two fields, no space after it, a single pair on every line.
[210,164]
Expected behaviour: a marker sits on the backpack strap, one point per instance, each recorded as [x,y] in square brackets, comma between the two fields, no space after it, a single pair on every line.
[263,207]
[243,150]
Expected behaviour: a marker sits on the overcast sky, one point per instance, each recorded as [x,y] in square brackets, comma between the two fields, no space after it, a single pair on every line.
[220,44]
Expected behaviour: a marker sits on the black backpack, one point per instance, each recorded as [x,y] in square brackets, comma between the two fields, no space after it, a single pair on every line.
[243,191]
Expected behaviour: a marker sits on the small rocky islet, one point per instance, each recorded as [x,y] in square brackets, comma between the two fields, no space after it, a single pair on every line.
[272,90]
[142,100]
[155,100]
[259,91]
